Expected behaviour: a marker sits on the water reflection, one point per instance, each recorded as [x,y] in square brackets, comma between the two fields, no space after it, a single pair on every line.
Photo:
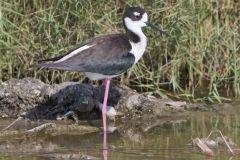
[155,140]
[105,146]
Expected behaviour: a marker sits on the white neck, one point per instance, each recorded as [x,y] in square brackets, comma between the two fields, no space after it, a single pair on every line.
[139,47]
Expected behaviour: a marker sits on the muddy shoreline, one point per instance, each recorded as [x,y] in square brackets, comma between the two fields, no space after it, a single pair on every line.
[42,101]
[32,99]
[73,109]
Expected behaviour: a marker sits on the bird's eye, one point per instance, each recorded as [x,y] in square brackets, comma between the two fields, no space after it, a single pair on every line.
[138,16]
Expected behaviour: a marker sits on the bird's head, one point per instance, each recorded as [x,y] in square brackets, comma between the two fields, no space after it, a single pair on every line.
[135,18]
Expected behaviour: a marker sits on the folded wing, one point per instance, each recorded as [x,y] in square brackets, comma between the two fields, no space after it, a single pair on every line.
[108,55]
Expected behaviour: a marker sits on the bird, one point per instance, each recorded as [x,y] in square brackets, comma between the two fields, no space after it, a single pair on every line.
[107,56]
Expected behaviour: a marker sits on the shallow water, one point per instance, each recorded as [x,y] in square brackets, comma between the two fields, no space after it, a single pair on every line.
[166,141]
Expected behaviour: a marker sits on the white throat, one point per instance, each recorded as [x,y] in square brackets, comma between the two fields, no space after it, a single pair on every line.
[139,48]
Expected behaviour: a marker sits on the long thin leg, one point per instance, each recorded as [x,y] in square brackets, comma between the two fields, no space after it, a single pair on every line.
[104,83]
[104,106]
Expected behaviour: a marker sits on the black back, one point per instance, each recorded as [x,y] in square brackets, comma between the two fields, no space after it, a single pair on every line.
[109,56]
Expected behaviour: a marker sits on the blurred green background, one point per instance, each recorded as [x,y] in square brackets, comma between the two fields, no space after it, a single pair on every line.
[199,61]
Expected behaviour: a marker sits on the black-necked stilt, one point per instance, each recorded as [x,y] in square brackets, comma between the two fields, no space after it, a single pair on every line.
[108,56]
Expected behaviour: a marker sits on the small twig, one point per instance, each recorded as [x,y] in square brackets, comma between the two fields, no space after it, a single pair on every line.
[208,136]
[39,128]
[15,121]
[10,125]
[225,141]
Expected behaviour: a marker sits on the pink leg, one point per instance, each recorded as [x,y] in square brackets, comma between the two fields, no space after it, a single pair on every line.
[104,106]
[104,83]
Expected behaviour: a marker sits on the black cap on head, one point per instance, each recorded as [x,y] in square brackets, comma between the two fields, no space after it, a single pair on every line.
[138,14]
[134,13]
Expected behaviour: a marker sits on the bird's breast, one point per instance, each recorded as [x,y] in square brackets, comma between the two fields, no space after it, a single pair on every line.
[138,48]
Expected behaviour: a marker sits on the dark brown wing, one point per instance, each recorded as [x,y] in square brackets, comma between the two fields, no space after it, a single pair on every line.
[109,55]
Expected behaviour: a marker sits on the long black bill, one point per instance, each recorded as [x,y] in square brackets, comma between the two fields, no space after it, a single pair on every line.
[157,29]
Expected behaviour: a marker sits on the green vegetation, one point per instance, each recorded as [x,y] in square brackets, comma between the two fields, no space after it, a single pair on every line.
[201,58]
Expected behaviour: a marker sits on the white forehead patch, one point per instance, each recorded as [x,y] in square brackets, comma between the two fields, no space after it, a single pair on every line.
[136,13]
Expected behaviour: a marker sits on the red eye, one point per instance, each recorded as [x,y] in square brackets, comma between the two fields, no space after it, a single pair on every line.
[137,16]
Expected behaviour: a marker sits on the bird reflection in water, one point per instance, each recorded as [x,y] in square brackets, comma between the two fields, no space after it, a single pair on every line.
[105,147]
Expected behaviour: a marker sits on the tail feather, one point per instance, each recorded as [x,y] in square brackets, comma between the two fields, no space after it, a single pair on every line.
[56,66]
[50,65]
[50,59]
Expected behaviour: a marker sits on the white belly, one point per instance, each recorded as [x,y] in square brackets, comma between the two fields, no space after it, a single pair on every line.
[98,76]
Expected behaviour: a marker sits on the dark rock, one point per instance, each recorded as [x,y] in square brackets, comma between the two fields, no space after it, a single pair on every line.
[69,96]
[43,101]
